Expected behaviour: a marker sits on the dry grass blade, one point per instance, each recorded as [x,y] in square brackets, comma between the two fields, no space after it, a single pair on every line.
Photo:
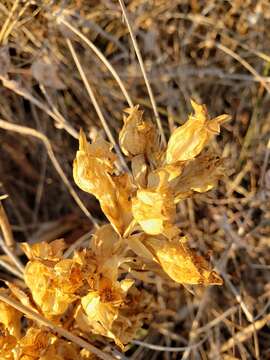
[34,133]
[11,269]
[12,256]
[101,57]
[8,19]
[238,298]
[245,64]
[246,333]
[96,106]
[147,83]
[170,348]
[5,227]
[59,119]
[59,330]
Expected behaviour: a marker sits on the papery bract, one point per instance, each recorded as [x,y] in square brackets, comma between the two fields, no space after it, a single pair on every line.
[181,263]
[93,172]
[188,140]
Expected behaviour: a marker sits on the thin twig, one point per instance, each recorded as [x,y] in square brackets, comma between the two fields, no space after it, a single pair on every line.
[61,331]
[244,63]
[169,348]
[238,297]
[32,132]
[147,83]
[62,122]
[217,320]
[245,334]
[12,85]
[77,244]
[6,228]
[11,269]
[12,256]
[101,57]
[265,163]
[95,103]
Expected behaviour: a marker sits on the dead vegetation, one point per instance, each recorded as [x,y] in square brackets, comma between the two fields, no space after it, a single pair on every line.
[71,65]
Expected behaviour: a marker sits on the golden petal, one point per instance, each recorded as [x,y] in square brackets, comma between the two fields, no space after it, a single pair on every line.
[135,136]
[93,172]
[188,140]
[10,318]
[154,211]
[139,170]
[43,250]
[46,291]
[199,175]
[181,263]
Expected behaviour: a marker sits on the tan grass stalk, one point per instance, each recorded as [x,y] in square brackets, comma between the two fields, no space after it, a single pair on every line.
[5,227]
[101,57]
[11,269]
[34,133]
[11,85]
[147,83]
[8,19]
[96,105]
[245,334]
[12,256]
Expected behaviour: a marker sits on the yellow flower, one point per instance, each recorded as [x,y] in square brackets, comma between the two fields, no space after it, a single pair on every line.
[46,251]
[53,285]
[101,307]
[188,140]
[7,344]
[94,172]
[154,210]
[181,263]
[137,135]
[10,318]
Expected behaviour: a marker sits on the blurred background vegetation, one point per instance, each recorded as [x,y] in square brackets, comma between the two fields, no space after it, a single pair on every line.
[217,52]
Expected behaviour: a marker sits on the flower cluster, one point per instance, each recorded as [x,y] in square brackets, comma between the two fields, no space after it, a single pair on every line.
[96,293]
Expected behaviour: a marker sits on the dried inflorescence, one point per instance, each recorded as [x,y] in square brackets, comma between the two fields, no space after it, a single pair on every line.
[94,292]
[161,177]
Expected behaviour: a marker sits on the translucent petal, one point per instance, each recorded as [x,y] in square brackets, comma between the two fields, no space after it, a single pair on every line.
[10,318]
[137,135]
[43,250]
[51,292]
[181,263]
[188,140]
[154,211]
[93,172]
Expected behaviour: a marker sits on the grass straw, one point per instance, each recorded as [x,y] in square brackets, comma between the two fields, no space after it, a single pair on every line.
[147,83]
[6,228]
[99,54]
[12,256]
[36,134]
[11,269]
[96,105]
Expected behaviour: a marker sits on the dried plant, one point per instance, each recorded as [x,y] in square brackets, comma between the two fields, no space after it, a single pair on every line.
[138,285]
[95,293]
